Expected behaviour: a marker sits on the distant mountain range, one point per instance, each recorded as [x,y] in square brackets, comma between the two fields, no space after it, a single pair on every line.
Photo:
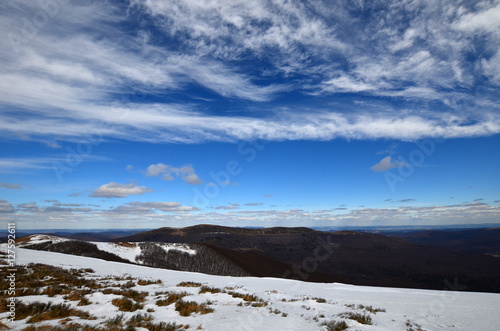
[457,260]
[483,241]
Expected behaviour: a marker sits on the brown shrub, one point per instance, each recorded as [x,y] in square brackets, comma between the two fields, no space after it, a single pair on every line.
[131,294]
[185,308]
[358,317]
[189,284]
[143,282]
[48,311]
[171,298]
[125,304]
[208,289]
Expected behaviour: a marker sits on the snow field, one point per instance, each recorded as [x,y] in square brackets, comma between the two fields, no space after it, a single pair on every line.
[291,305]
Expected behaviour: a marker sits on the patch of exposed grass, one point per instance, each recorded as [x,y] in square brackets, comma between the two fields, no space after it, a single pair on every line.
[358,317]
[185,308]
[208,289]
[84,302]
[41,279]
[149,325]
[274,311]
[76,295]
[41,311]
[67,327]
[143,282]
[371,309]
[163,326]
[128,284]
[250,299]
[412,326]
[189,284]
[335,325]
[128,293]
[115,321]
[140,319]
[125,304]
[171,298]
[245,297]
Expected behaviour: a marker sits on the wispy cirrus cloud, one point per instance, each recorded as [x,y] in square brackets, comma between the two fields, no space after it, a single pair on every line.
[82,70]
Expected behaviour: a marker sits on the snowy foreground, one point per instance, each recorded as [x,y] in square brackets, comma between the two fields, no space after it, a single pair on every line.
[291,305]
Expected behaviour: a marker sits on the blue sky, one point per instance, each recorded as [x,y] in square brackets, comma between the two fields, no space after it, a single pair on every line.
[152,113]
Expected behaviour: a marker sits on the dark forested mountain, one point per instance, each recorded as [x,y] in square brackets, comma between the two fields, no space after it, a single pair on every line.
[345,256]
[193,257]
[485,241]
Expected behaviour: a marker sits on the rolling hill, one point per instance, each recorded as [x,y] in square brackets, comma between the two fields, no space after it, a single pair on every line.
[345,256]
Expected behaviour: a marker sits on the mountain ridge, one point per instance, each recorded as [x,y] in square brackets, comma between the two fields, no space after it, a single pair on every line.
[361,258]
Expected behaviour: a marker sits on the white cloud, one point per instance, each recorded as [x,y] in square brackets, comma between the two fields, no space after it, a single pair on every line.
[346,84]
[6,207]
[386,164]
[163,206]
[28,207]
[156,169]
[187,173]
[227,207]
[23,165]
[157,214]
[82,71]
[53,144]
[116,190]
[488,20]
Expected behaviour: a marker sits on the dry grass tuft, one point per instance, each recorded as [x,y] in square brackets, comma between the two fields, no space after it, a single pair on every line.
[125,304]
[171,298]
[144,282]
[131,294]
[358,317]
[208,289]
[185,308]
[335,325]
[189,284]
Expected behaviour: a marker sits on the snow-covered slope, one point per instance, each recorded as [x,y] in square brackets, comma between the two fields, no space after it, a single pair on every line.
[291,305]
[38,239]
[130,250]
[126,250]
